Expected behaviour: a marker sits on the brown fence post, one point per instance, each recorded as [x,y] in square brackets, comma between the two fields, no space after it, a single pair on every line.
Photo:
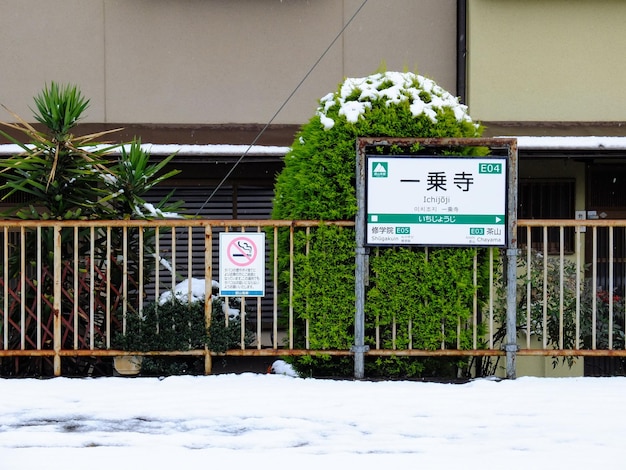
[208,290]
[56,309]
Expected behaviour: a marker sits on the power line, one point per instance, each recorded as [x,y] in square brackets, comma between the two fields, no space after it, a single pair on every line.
[262,131]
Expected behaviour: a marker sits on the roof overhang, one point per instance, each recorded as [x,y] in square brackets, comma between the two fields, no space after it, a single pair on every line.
[187,150]
[591,143]
[530,145]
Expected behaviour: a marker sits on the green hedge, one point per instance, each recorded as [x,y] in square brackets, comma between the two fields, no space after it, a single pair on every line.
[318,183]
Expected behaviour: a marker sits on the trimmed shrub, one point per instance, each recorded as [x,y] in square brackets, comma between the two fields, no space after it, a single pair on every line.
[176,325]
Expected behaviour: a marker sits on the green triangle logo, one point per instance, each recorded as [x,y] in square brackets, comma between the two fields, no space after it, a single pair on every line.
[380,170]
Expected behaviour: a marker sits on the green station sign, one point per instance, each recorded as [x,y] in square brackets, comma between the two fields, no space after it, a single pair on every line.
[439,201]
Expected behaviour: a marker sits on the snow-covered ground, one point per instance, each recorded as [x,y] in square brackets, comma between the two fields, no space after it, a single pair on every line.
[262,421]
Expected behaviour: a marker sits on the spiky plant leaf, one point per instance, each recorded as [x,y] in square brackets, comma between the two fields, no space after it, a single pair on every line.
[59,108]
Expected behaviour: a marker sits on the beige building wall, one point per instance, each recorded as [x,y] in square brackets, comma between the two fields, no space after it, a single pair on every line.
[214,61]
[538,60]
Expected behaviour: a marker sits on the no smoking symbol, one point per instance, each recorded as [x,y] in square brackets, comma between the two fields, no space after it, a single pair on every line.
[242,251]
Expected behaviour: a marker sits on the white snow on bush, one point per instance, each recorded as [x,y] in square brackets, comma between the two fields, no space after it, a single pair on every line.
[193,290]
[282,367]
[182,291]
[149,210]
[356,96]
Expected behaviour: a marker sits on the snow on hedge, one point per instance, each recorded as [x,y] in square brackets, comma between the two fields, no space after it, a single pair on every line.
[356,95]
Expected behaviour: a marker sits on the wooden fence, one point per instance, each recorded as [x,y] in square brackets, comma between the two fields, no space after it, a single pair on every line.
[67,288]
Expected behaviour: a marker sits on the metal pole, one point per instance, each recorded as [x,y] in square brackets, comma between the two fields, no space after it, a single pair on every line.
[511,347]
[511,314]
[461,49]
[359,349]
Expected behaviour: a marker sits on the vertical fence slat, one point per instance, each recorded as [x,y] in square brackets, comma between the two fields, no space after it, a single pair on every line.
[578,283]
[377,253]
[291,270]
[306,321]
[242,330]
[189,262]
[157,263]
[208,288]
[5,260]
[107,313]
[529,288]
[226,304]
[242,316]
[92,294]
[275,292]
[141,269]
[174,257]
[259,317]
[610,292]
[492,294]
[125,296]
[22,288]
[76,299]
[594,286]
[39,286]
[545,288]
[475,303]
[561,284]
[56,309]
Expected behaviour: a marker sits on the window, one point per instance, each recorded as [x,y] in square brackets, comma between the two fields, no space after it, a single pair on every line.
[547,199]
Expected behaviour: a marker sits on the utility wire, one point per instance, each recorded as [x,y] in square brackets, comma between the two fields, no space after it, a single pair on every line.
[262,131]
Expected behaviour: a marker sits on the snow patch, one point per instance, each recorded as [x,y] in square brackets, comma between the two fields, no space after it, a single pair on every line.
[148,210]
[189,290]
[356,96]
[193,290]
[282,367]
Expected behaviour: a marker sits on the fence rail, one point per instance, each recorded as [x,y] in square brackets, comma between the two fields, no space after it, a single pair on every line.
[67,288]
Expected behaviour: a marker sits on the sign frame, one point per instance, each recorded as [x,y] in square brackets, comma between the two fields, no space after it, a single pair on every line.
[442,146]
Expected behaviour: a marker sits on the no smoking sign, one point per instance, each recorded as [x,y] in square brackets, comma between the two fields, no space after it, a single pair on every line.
[242,264]
[242,251]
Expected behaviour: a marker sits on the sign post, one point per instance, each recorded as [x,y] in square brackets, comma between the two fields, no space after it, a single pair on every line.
[415,198]
[242,264]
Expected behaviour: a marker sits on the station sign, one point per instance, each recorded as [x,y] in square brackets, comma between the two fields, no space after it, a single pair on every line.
[242,264]
[436,201]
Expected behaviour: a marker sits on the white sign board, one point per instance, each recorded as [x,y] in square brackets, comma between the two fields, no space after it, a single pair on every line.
[242,264]
[437,201]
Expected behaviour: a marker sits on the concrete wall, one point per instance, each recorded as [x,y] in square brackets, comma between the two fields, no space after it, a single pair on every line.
[538,60]
[214,61]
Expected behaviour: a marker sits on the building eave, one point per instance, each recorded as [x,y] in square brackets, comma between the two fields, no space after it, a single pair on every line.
[186,149]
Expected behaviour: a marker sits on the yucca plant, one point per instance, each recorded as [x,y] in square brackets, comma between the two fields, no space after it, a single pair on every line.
[62,176]
[132,177]
[59,108]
